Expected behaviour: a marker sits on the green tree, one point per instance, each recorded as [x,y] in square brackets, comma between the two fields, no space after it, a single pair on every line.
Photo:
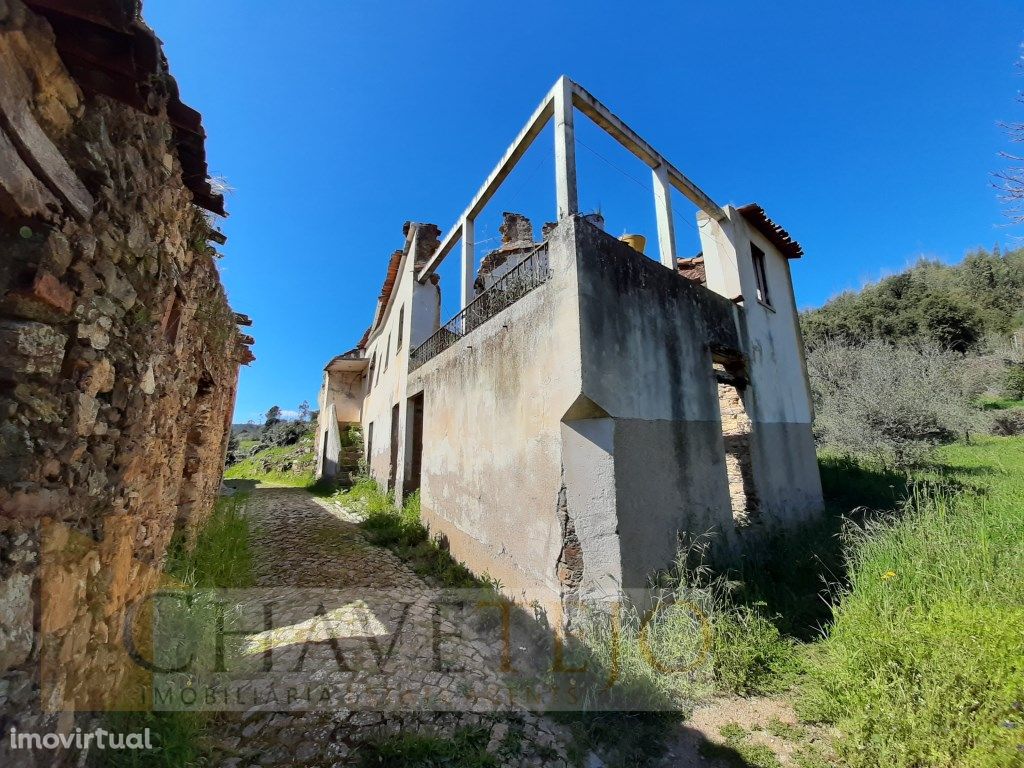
[948,323]
[273,416]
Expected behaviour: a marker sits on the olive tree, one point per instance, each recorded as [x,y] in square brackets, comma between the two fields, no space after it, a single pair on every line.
[891,402]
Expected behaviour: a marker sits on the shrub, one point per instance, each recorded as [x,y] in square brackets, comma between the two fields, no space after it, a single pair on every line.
[1008,423]
[1014,382]
[893,403]
[285,433]
[750,655]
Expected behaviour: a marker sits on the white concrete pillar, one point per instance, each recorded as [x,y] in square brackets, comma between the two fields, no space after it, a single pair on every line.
[721,257]
[663,216]
[468,261]
[565,151]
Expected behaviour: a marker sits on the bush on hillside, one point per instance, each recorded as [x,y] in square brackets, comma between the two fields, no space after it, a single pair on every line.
[1014,381]
[953,306]
[284,433]
[892,403]
[1008,423]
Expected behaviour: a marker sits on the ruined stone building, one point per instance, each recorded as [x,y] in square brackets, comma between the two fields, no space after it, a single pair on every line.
[119,353]
[590,405]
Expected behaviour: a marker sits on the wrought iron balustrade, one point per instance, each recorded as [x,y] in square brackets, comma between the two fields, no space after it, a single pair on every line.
[532,271]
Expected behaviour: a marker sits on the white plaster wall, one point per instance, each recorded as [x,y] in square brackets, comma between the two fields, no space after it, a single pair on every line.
[327,428]
[422,308]
[345,393]
[588,454]
[492,459]
[646,336]
[778,400]
[340,400]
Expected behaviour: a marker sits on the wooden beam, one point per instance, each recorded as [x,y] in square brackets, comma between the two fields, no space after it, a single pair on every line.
[512,156]
[32,144]
[627,137]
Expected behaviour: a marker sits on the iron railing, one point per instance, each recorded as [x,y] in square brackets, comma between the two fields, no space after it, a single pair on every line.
[506,290]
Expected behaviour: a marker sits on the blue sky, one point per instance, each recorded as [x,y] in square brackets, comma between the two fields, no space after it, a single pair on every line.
[868,130]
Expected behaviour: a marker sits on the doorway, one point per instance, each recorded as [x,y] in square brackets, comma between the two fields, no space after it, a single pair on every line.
[414,441]
[393,473]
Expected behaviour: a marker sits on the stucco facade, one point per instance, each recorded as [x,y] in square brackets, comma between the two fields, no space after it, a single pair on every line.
[590,409]
[587,415]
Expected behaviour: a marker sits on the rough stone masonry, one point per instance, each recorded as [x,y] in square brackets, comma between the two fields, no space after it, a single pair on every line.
[119,353]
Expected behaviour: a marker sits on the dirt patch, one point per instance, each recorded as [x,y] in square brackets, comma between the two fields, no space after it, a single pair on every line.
[731,731]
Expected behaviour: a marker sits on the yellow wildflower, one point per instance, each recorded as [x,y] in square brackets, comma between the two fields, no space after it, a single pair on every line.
[888,575]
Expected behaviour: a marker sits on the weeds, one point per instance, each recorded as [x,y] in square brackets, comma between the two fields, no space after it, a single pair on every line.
[466,748]
[787,731]
[176,738]
[400,530]
[221,556]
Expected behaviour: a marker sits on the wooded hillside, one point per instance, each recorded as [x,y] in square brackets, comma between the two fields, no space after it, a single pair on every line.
[954,306]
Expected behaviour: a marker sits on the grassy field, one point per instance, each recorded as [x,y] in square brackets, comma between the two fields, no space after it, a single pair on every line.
[923,664]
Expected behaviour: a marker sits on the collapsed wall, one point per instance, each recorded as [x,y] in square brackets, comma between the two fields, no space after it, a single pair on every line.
[119,353]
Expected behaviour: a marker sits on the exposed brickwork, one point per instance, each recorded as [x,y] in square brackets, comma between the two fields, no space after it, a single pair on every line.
[516,241]
[570,561]
[118,364]
[736,431]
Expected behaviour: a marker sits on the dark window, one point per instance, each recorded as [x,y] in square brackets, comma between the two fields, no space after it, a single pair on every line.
[369,444]
[387,352]
[401,326]
[373,365]
[760,275]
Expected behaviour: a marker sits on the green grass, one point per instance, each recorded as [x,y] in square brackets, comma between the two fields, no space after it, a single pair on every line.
[999,403]
[176,738]
[221,556]
[738,751]
[466,748]
[400,530]
[787,731]
[247,444]
[923,664]
[251,468]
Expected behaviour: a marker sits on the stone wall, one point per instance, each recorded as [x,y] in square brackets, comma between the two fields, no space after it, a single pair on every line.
[736,429]
[119,357]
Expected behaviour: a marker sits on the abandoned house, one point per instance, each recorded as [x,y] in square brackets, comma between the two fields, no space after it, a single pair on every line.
[589,405]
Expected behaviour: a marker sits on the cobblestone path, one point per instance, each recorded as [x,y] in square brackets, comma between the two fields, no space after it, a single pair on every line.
[351,645]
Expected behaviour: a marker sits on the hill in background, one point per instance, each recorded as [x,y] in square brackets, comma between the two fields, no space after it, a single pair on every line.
[959,307]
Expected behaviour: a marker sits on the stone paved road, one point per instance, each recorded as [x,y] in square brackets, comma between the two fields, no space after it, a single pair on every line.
[357,648]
